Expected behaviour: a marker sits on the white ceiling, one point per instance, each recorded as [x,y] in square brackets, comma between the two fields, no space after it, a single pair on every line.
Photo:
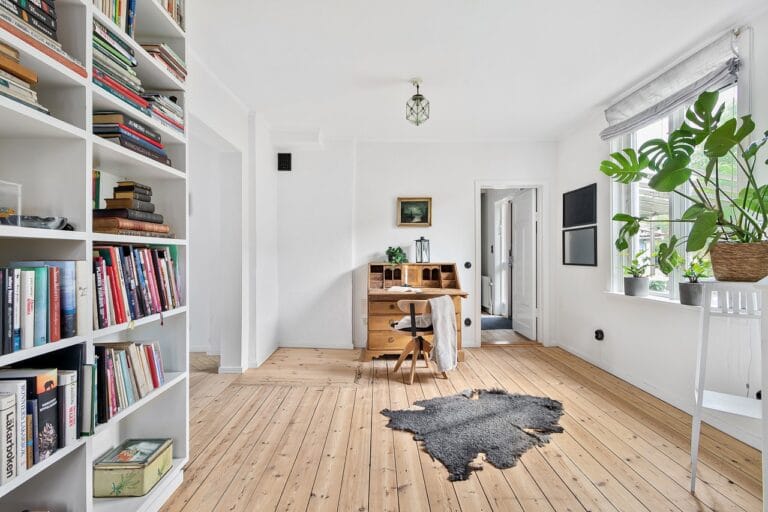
[492,69]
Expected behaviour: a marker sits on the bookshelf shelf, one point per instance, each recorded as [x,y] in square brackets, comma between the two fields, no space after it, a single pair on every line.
[153,20]
[42,349]
[115,329]
[102,100]
[53,158]
[40,467]
[109,155]
[136,240]
[50,72]
[151,72]
[40,234]
[152,500]
[20,121]
[171,379]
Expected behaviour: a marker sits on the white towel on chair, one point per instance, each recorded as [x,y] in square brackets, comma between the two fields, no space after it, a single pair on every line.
[444,326]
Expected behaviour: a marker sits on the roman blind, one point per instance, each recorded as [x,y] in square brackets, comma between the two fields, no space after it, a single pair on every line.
[713,67]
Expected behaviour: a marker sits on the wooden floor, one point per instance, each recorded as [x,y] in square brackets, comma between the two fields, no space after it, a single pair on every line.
[304,433]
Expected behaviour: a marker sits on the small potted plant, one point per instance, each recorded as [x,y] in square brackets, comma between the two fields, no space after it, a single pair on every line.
[396,255]
[691,292]
[635,281]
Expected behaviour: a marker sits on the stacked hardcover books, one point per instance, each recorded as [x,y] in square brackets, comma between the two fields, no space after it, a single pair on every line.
[130,133]
[35,23]
[130,212]
[121,12]
[16,80]
[132,282]
[125,373]
[168,59]
[166,111]
[40,301]
[113,63]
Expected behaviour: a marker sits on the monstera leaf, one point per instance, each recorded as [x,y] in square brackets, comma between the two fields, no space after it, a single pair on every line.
[754,200]
[626,166]
[674,153]
[727,136]
[702,118]
[630,228]
[752,149]
[703,229]
[667,256]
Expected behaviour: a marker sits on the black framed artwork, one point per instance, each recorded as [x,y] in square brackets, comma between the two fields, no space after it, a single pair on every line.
[580,246]
[580,207]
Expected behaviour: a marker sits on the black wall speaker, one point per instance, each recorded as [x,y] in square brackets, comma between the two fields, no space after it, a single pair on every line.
[283,161]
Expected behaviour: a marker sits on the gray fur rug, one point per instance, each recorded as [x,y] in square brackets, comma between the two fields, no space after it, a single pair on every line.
[503,426]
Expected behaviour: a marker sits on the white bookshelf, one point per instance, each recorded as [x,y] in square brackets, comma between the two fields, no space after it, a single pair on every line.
[53,157]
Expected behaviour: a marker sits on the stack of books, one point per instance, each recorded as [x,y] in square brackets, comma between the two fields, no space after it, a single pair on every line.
[132,282]
[125,373]
[175,8]
[130,133]
[167,58]
[130,212]
[35,23]
[113,63]
[40,301]
[16,80]
[165,110]
[121,12]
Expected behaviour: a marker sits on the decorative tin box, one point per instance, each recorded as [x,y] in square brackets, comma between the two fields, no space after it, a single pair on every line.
[133,468]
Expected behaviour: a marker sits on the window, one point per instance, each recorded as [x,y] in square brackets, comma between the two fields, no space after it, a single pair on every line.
[639,199]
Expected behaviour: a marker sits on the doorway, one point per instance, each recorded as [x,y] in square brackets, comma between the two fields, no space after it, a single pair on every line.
[509,246]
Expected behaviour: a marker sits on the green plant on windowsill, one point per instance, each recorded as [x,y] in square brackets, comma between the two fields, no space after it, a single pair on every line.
[635,281]
[691,291]
[731,227]
[396,255]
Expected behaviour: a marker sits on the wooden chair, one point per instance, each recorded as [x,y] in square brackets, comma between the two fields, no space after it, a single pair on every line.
[418,346]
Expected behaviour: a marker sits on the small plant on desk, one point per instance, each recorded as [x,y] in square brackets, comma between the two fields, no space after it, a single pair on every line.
[396,255]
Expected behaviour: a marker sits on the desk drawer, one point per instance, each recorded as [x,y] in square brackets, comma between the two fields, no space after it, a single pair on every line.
[383,308]
[381,322]
[378,340]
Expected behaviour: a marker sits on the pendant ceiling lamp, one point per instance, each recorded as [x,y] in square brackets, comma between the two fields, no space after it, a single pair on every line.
[417,108]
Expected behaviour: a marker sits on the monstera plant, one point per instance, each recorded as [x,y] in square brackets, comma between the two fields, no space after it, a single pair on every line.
[730,226]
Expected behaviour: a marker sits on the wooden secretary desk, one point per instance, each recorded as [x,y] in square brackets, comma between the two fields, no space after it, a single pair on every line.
[433,279]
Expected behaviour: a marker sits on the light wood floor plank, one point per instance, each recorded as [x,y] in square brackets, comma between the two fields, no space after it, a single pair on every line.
[304,432]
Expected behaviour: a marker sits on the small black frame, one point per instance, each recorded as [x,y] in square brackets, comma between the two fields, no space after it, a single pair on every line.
[591,191]
[593,262]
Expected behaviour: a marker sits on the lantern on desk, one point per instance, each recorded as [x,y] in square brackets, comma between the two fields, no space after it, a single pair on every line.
[422,250]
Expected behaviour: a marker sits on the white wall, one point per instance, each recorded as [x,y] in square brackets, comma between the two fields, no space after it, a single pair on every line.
[650,344]
[315,243]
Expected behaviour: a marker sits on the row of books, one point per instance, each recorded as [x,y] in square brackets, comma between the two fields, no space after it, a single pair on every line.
[45,408]
[39,410]
[133,282]
[121,12]
[35,22]
[175,8]
[129,198]
[167,58]
[40,301]
[131,134]
[125,373]
[17,81]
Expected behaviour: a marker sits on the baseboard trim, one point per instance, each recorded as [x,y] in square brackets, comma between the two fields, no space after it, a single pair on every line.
[232,369]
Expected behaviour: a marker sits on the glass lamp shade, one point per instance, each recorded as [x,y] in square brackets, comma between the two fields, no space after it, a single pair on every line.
[417,109]
[422,250]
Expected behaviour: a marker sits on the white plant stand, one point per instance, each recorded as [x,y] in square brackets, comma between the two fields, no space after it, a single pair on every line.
[740,301]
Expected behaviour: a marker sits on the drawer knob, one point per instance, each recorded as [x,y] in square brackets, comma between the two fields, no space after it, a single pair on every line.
[391,306]
[391,339]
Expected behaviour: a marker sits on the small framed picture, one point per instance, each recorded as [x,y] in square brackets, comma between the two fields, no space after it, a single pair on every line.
[580,246]
[414,211]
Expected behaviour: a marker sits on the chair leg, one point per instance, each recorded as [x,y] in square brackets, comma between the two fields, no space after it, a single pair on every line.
[426,358]
[407,350]
[445,375]
[413,364]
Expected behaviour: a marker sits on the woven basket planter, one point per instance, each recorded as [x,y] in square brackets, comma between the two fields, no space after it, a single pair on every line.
[740,262]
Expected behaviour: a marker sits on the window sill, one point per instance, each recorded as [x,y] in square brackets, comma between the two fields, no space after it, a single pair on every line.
[653,299]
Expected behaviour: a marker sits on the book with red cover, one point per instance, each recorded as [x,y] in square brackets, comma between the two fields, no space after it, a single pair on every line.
[119,88]
[152,365]
[111,384]
[121,223]
[54,304]
[140,135]
[150,272]
[112,274]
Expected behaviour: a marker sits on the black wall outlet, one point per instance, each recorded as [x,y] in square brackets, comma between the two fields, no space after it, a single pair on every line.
[467,322]
[599,335]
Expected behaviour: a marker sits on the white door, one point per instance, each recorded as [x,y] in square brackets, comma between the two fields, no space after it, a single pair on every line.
[523,263]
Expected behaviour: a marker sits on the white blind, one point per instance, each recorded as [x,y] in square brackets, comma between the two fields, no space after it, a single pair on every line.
[712,68]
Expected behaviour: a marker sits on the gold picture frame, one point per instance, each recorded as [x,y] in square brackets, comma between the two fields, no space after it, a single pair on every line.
[414,212]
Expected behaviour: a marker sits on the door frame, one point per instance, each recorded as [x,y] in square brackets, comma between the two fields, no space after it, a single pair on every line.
[543,243]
